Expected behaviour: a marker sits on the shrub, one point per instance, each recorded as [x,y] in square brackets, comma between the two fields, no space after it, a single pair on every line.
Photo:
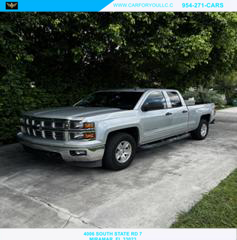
[18,95]
[202,95]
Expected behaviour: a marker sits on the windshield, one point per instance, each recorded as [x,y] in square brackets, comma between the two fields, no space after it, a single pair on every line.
[123,100]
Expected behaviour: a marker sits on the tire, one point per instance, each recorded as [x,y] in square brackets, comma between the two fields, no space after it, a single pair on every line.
[125,146]
[202,131]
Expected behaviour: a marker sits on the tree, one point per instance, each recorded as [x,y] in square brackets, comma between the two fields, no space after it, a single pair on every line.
[67,55]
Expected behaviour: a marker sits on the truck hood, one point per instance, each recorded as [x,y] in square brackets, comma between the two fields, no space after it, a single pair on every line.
[71,112]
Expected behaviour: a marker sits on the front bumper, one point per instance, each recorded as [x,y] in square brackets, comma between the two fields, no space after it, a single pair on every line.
[94,149]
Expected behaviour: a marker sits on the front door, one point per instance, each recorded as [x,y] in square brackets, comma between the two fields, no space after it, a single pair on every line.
[155,120]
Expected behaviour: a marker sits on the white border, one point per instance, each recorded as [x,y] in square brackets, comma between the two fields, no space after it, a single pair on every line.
[146,234]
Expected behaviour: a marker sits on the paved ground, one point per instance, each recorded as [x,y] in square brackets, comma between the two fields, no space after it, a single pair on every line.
[163,181]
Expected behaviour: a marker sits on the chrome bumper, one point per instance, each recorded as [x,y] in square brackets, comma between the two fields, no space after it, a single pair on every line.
[94,149]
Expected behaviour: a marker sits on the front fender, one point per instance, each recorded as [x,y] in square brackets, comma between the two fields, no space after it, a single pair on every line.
[108,126]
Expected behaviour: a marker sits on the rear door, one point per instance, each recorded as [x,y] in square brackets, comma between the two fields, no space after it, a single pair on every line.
[179,122]
[155,121]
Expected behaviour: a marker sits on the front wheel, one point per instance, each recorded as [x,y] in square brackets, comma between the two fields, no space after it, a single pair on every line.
[120,151]
[202,131]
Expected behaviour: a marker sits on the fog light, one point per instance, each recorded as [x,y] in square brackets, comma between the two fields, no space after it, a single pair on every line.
[78,153]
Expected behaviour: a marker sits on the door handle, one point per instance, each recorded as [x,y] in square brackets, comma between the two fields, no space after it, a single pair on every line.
[184,111]
[168,114]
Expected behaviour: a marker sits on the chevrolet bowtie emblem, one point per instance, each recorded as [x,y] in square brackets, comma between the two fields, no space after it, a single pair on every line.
[12,5]
[38,127]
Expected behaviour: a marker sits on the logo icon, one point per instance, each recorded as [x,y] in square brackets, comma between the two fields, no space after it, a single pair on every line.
[11,5]
[38,127]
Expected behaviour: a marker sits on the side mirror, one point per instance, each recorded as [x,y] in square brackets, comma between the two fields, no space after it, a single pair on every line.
[146,108]
[152,106]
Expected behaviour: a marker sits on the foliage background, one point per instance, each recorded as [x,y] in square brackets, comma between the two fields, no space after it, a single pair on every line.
[53,59]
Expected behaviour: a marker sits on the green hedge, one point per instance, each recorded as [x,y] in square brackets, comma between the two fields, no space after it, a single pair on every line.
[202,95]
[18,95]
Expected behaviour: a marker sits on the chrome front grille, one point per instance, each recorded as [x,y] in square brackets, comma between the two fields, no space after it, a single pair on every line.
[58,129]
[54,129]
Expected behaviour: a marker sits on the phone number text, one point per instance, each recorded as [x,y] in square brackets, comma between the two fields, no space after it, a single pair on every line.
[203,5]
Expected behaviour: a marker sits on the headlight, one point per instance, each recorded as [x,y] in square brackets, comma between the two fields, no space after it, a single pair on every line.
[90,135]
[76,136]
[80,136]
[87,125]
[81,125]
[76,124]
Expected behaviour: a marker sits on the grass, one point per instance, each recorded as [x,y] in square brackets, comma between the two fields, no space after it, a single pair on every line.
[217,209]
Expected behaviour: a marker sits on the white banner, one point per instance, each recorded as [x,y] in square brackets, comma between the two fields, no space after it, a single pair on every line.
[118,234]
[171,5]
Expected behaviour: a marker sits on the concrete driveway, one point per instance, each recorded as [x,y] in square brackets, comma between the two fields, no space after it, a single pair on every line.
[162,181]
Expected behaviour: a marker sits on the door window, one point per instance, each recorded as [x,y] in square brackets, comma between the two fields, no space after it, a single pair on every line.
[155,101]
[174,99]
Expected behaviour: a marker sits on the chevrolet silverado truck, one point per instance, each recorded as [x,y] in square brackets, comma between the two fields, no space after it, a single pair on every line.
[106,127]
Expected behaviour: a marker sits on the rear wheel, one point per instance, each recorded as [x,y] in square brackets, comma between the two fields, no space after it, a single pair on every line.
[119,152]
[202,131]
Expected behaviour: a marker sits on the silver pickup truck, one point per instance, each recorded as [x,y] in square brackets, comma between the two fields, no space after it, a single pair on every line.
[105,128]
